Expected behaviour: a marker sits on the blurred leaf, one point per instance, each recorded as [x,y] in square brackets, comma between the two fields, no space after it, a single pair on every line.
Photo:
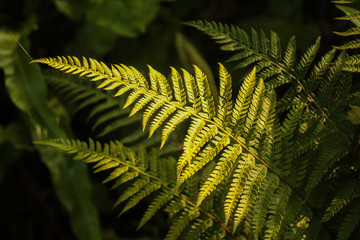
[354,115]
[125,17]
[27,90]
[75,9]
[86,43]
[17,135]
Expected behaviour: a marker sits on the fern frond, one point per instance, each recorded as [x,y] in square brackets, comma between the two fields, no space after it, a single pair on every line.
[213,148]
[277,208]
[160,81]
[240,176]
[198,136]
[289,126]
[198,228]
[307,59]
[252,113]
[225,98]
[213,143]
[261,206]
[332,78]
[206,97]
[160,201]
[327,157]
[249,195]
[290,54]
[349,32]
[100,107]
[319,71]
[350,222]
[243,100]
[341,200]
[221,170]
[141,194]
[122,163]
[179,88]
[180,223]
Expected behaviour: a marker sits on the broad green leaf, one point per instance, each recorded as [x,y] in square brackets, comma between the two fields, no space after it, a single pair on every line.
[27,89]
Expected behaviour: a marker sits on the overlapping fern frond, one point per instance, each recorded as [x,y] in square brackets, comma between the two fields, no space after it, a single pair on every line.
[238,136]
[143,173]
[260,166]
[104,114]
[352,42]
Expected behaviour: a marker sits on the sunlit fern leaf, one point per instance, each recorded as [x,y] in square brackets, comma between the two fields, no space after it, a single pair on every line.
[126,177]
[213,148]
[268,142]
[342,198]
[104,113]
[179,88]
[220,171]
[192,91]
[352,63]
[249,194]
[250,128]
[252,113]
[122,163]
[162,82]
[342,1]
[163,114]
[349,32]
[277,209]
[350,222]
[261,206]
[198,136]
[355,44]
[225,98]
[240,176]
[179,117]
[206,97]
[242,102]
[69,90]
[155,105]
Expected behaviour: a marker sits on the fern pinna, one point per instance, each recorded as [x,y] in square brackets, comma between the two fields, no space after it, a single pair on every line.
[251,166]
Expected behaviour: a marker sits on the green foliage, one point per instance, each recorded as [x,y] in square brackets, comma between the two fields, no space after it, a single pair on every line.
[244,138]
[276,158]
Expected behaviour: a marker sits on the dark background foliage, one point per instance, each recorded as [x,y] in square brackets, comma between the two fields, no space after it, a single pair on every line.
[131,32]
